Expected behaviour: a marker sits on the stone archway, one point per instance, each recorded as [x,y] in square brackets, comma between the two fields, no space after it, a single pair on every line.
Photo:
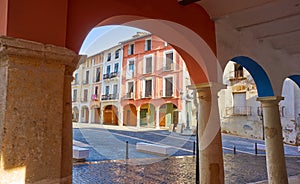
[168,114]
[110,115]
[129,115]
[84,114]
[147,115]
[63,23]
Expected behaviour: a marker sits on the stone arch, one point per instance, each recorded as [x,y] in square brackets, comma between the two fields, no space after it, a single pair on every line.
[290,110]
[168,114]
[96,112]
[147,115]
[262,81]
[129,115]
[110,115]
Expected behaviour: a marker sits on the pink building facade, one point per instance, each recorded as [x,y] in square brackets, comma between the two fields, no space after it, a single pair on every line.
[154,81]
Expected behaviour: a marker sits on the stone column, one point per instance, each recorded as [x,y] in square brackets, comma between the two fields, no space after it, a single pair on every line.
[157,118]
[138,117]
[91,115]
[79,114]
[209,132]
[36,114]
[67,138]
[121,117]
[101,115]
[273,139]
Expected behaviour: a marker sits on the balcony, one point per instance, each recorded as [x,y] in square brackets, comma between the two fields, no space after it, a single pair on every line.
[105,76]
[169,67]
[109,97]
[129,95]
[238,75]
[85,81]
[238,111]
[110,75]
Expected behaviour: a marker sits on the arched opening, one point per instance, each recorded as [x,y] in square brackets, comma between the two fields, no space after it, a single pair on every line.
[129,115]
[261,79]
[84,114]
[147,115]
[110,115]
[240,112]
[168,114]
[290,110]
[96,114]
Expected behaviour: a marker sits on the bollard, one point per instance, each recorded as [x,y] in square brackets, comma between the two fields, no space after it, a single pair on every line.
[234,150]
[126,150]
[194,148]
[255,146]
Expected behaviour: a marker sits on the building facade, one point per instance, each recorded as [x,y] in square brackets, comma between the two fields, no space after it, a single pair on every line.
[241,114]
[86,90]
[154,81]
[110,97]
[151,91]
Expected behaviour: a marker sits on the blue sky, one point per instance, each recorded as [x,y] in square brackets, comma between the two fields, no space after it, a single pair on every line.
[104,37]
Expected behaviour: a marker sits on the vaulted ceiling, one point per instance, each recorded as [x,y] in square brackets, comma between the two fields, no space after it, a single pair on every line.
[274,21]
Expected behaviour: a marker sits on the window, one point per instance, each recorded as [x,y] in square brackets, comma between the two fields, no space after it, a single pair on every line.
[96,90]
[108,69]
[85,95]
[87,77]
[115,90]
[116,68]
[106,90]
[148,88]
[74,97]
[168,88]
[148,65]
[148,44]
[169,63]
[131,65]
[93,61]
[130,86]
[117,54]
[239,103]
[97,74]
[131,49]
[238,71]
[108,56]
[130,69]
[76,78]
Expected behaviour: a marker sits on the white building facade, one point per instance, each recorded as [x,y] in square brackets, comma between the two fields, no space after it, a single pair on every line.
[241,114]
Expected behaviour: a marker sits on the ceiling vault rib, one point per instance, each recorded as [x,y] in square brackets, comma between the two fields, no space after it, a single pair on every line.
[278,34]
[267,21]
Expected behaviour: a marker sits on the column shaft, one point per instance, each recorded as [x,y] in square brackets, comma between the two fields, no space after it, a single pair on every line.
[138,117]
[157,118]
[276,166]
[36,114]
[209,132]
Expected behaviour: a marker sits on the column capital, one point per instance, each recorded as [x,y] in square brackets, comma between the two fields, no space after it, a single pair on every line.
[43,53]
[205,90]
[207,85]
[270,100]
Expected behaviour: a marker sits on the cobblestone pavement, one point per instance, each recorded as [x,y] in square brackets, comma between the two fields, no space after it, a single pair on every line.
[239,169]
[107,152]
